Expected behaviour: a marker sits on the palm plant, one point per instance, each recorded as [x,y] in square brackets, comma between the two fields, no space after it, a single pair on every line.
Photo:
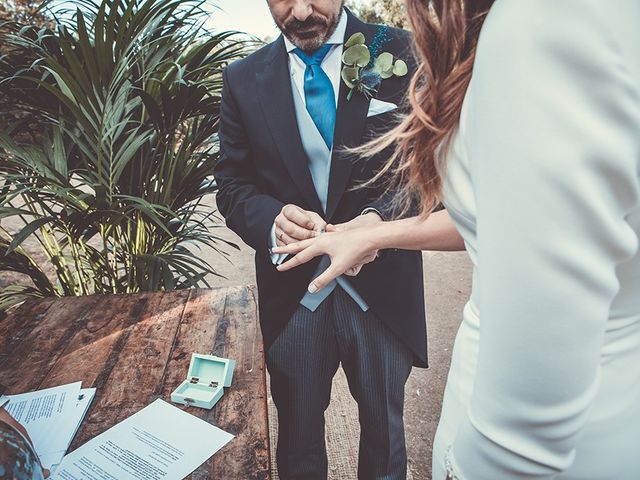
[107,146]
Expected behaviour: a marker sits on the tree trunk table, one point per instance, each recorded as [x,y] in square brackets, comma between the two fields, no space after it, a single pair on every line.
[137,348]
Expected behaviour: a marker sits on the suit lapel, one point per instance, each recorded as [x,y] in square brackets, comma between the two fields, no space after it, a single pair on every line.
[275,96]
[351,117]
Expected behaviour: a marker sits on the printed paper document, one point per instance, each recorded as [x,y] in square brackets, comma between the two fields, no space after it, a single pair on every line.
[52,417]
[158,442]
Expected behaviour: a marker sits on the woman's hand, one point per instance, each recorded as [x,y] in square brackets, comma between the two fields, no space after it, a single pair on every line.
[348,250]
[355,243]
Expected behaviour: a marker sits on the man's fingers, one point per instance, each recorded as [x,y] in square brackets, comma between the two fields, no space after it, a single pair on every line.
[294,231]
[282,239]
[298,216]
[306,219]
[287,227]
[324,279]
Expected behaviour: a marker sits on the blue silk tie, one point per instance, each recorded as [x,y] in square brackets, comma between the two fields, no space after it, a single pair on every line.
[318,91]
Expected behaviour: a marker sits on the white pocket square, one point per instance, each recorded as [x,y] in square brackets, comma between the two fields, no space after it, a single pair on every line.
[378,107]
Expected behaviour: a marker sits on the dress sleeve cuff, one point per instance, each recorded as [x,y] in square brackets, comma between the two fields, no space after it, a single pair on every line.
[372,210]
[276,258]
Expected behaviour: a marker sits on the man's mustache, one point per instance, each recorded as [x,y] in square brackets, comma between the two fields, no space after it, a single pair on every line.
[295,26]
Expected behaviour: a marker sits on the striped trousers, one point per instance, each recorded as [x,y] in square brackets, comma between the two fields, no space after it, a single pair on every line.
[302,362]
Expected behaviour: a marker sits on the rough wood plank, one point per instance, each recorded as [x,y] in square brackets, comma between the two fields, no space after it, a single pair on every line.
[246,406]
[243,409]
[44,344]
[195,335]
[97,341]
[132,377]
[135,348]
[19,321]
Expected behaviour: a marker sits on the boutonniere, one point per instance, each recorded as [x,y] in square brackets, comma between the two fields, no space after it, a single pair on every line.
[364,67]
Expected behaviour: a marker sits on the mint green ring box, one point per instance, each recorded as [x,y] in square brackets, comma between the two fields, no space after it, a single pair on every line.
[207,377]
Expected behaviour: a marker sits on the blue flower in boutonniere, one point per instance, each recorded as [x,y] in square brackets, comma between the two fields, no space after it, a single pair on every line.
[363,69]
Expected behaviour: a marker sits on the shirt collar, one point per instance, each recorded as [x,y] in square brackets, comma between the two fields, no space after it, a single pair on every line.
[337,38]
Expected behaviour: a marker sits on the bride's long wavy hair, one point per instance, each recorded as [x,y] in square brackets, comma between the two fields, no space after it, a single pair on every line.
[446,34]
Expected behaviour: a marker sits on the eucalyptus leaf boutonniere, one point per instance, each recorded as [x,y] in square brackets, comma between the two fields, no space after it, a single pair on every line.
[363,69]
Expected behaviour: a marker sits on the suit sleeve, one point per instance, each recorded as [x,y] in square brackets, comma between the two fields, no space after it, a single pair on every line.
[552,133]
[248,211]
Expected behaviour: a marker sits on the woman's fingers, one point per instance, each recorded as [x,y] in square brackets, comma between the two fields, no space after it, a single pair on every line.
[353,271]
[301,256]
[293,247]
[370,258]
[330,274]
[334,228]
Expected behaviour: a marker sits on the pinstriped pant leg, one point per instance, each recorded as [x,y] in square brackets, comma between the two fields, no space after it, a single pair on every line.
[302,362]
[377,365]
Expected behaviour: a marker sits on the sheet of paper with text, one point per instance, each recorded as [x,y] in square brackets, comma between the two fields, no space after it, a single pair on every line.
[51,417]
[158,442]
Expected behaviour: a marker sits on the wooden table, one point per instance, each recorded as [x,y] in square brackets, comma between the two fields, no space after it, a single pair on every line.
[136,348]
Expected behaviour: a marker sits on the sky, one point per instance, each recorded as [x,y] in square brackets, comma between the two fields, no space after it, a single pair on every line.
[251,16]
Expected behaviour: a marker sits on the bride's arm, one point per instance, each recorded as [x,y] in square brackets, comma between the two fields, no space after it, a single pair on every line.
[552,133]
[436,232]
[353,247]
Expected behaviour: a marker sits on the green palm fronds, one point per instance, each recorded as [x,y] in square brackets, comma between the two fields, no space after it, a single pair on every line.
[108,142]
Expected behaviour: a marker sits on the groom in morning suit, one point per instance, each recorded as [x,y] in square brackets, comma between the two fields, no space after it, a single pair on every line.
[283,175]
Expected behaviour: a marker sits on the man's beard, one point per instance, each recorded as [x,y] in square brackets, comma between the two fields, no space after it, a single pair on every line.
[311,34]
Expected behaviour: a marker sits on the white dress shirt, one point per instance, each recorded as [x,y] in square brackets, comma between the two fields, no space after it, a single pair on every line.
[332,65]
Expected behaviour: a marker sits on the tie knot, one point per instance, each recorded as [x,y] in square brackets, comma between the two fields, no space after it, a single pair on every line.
[314,58]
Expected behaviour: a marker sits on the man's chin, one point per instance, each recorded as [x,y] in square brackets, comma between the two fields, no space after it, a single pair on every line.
[308,44]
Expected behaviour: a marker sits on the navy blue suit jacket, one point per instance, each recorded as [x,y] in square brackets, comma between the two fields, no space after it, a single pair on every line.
[263,167]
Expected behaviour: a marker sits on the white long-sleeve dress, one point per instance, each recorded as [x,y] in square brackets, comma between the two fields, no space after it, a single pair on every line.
[543,182]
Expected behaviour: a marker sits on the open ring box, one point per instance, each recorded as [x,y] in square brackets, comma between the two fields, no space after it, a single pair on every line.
[207,377]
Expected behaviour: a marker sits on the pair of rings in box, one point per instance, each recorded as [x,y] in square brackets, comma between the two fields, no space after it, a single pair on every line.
[206,379]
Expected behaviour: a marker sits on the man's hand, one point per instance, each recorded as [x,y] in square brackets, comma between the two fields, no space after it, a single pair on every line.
[294,224]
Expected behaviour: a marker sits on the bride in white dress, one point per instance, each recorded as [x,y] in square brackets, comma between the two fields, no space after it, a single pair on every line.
[541,179]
